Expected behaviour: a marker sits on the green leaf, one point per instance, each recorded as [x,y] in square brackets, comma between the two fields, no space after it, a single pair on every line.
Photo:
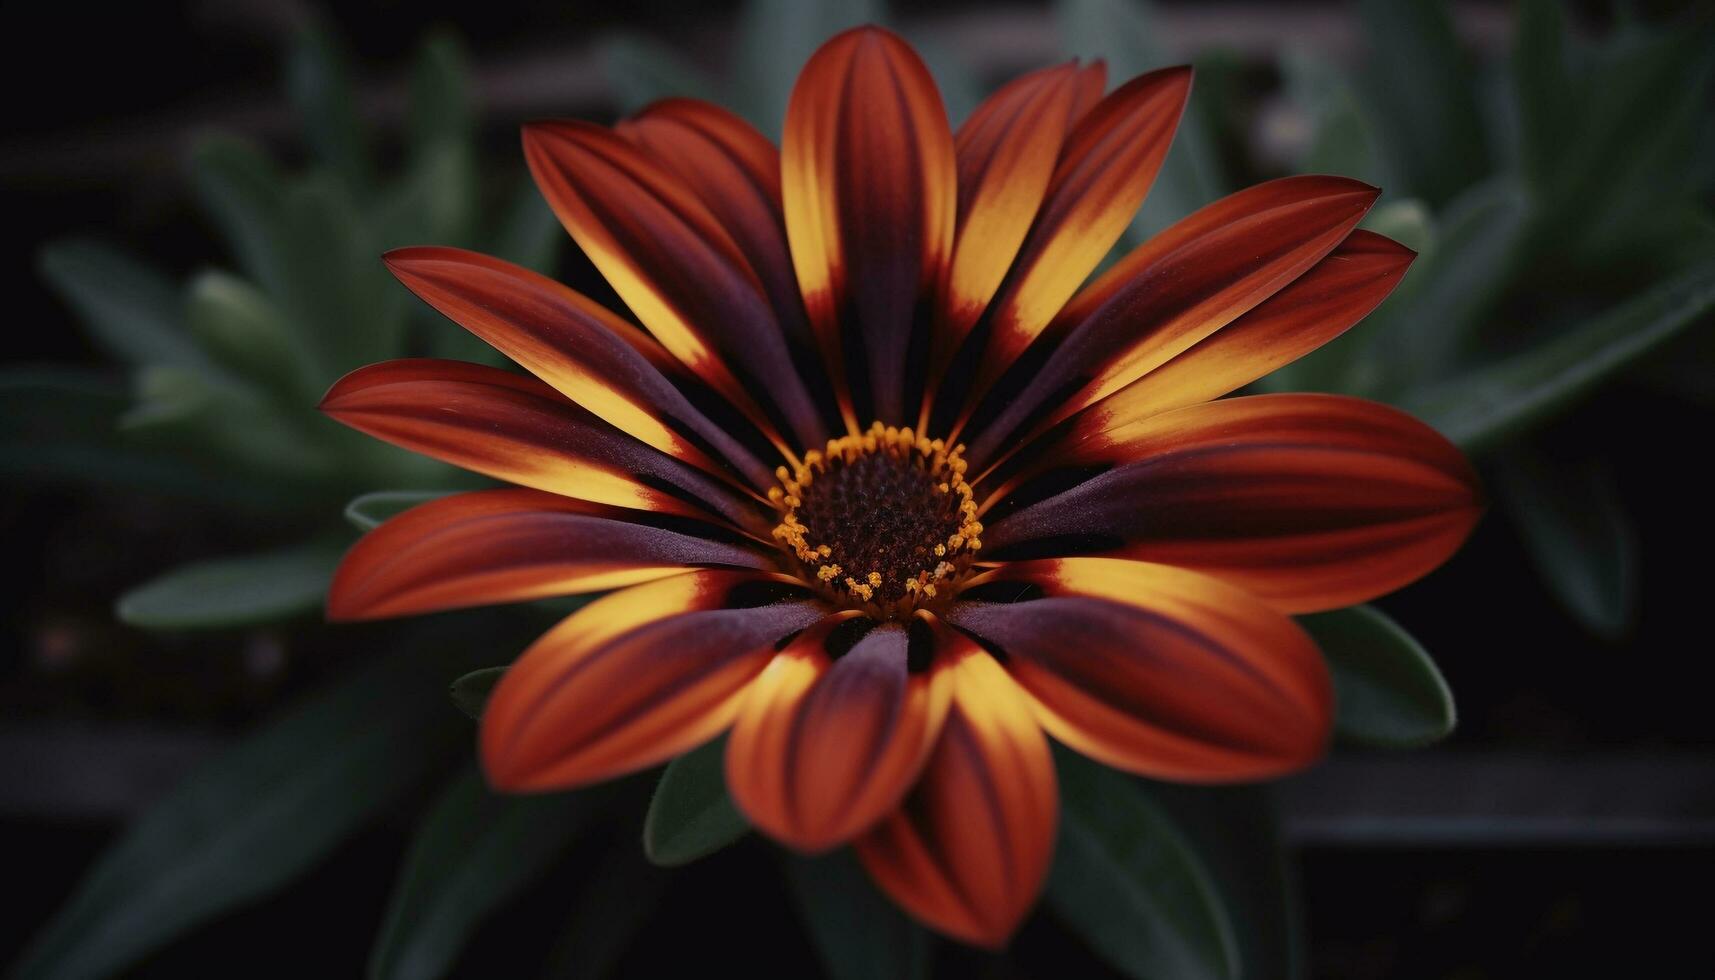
[318,78]
[1576,532]
[473,852]
[1423,103]
[775,39]
[228,592]
[1127,881]
[1124,33]
[1407,222]
[442,113]
[233,426]
[470,692]
[1490,404]
[254,818]
[529,233]
[641,70]
[607,915]
[131,311]
[244,194]
[1341,141]
[368,512]
[1388,691]
[1542,87]
[691,815]
[243,330]
[1442,306]
[858,933]
[61,425]
[1235,832]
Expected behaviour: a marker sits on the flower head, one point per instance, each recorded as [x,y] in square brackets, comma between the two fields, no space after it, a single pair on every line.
[885,488]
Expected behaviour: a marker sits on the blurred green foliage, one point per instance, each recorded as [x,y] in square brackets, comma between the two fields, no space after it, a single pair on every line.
[1560,203]
[225,370]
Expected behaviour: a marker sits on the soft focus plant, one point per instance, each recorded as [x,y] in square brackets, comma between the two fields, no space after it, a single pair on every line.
[224,368]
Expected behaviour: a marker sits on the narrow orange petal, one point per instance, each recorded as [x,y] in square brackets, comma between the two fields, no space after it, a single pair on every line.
[636,678]
[1104,173]
[584,351]
[1006,153]
[490,546]
[869,187]
[675,266]
[1157,670]
[968,851]
[1317,307]
[515,428]
[1173,291]
[1310,502]
[823,748]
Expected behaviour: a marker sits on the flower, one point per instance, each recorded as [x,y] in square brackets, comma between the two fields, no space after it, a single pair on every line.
[885,489]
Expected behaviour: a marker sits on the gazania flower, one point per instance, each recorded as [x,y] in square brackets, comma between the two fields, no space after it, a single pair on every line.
[885,488]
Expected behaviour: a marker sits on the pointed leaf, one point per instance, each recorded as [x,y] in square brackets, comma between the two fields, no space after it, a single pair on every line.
[318,77]
[607,916]
[1128,881]
[1419,88]
[858,933]
[368,512]
[242,329]
[1503,399]
[691,815]
[473,851]
[255,818]
[442,113]
[1542,87]
[1388,690]
[228,592]
[1576,532]
[470,692]
[130,310]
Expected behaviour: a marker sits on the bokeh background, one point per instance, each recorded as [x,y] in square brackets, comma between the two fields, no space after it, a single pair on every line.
[195,196]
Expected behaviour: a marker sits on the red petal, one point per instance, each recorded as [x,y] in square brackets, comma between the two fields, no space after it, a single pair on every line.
[1308,501]
[492,546]
[1157,670]
[1176,289]
[515,428]
[823,748]
[584,351]
[969,850]
[1104,173]
[669,258]
[635,678]
[1006,151]
[868,183]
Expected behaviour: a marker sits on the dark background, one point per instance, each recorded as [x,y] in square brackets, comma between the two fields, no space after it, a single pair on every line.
[1555,723]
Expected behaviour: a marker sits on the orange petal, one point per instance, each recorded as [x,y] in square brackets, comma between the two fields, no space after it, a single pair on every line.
[1317,307]
[868,182]
[474,549]
[969,849]
[636,678]
[824,747]
[1154,669]
[1310,502]
[735,172]
[584,351]
[1006,152]
[515,428]
[1105,171]
[1092,82]
[1170,293]
[675,266]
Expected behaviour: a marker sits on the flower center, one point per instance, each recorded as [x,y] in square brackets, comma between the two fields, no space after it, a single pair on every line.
[883,521]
